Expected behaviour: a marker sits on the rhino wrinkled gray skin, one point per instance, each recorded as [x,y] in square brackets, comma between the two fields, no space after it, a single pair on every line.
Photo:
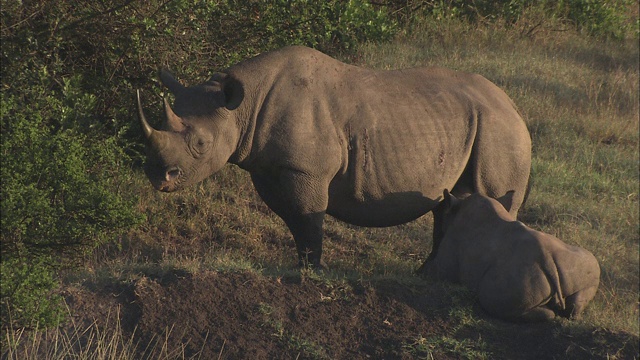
[371,148]
[519,274]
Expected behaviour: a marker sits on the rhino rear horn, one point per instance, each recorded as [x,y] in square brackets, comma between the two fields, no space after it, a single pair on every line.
[174,123]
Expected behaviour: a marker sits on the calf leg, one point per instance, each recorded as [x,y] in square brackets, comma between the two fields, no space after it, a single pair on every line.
[576,303]
[537,314]
[511,309]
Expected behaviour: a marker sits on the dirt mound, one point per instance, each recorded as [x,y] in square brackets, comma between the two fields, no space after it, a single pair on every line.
[212,315]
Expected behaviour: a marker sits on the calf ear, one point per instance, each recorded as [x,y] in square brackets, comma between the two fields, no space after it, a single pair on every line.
[506,200]
[449,199]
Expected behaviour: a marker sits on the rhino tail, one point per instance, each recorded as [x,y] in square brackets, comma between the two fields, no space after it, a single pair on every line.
[552,274]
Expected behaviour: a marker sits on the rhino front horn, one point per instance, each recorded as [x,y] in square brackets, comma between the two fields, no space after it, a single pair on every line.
[148,130]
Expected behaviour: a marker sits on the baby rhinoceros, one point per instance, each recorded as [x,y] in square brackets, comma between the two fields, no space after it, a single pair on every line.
[518,273]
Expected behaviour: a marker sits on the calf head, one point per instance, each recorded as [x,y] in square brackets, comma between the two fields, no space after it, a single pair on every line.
[450,206]
[198,137]
[473,206]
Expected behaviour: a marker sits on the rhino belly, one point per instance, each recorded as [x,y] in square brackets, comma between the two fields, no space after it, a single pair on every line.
[387,198]
[393,181]
[393,209]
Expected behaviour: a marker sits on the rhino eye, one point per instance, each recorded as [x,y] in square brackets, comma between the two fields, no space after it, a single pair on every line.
[199,146]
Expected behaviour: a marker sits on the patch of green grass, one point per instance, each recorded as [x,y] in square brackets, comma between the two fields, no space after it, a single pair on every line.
[455,340]
[431,347]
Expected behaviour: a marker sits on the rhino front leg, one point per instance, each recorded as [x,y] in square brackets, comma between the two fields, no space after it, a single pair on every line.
[307,234]
[438,230]
[301,201]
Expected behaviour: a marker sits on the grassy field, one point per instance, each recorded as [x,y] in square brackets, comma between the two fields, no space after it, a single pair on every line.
[579,97]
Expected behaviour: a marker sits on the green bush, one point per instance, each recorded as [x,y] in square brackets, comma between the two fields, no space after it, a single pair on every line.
[196,38]
[605,18]
[28,296]
[59,196]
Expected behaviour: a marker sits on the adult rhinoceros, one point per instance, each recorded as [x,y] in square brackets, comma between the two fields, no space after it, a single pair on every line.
[369,147]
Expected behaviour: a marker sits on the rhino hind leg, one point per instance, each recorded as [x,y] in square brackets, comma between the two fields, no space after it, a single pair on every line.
[438,233]
[501,164]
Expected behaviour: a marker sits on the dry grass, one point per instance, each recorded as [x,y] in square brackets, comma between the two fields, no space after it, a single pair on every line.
[89,342]
[102,339]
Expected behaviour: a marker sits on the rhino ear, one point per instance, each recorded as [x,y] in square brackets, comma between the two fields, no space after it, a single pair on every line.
[218,77]
[506,200]
[231,87]
[170,82]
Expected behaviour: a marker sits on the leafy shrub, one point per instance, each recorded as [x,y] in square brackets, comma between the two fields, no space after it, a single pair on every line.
[59,196]
[196,38]
[605,18]
[28,294]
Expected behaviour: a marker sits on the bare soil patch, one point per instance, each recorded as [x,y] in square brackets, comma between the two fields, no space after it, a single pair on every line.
[246,315]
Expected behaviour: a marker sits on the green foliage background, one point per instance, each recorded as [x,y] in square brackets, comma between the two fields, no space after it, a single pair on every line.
[70,143]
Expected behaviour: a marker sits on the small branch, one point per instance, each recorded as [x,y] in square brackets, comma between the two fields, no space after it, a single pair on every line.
[92,16]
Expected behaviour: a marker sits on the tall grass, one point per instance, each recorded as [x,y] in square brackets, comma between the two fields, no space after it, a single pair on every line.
[91,341]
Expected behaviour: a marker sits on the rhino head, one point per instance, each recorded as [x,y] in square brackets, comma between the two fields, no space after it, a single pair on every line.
[198,136]
[476,204]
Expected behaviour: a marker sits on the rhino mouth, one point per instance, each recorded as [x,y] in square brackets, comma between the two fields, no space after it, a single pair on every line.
[165,186]
[164,180]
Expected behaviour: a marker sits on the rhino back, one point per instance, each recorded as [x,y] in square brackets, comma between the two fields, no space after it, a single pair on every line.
[389,141]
